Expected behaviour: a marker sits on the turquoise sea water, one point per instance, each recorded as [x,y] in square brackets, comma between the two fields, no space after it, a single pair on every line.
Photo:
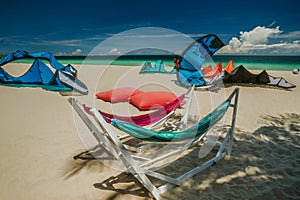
[287,63]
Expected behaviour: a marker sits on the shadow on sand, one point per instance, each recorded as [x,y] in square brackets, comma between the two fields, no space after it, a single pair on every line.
[264,165]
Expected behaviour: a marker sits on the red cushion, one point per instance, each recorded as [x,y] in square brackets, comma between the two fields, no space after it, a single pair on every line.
[118,95]
[152,100]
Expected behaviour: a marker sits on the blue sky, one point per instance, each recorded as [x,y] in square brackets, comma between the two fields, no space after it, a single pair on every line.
[76,27]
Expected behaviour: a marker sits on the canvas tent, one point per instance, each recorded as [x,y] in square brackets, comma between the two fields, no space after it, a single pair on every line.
[62,78]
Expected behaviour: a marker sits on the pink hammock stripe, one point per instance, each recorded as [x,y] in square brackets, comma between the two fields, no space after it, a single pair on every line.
[146,119]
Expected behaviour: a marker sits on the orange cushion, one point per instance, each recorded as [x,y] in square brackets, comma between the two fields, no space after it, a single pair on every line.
[118,95]
[152,100]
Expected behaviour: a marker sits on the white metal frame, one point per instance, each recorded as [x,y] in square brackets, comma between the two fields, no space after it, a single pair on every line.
[111,142]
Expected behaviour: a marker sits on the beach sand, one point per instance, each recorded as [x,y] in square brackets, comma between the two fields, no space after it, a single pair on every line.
[39,140]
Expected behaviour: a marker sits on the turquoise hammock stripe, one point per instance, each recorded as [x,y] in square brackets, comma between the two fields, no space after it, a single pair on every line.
[167,136]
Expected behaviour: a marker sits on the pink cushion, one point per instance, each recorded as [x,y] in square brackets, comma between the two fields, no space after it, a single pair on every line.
[118,94]
[152,100]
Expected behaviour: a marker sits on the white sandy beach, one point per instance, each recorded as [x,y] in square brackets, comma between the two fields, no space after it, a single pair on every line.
[39,140]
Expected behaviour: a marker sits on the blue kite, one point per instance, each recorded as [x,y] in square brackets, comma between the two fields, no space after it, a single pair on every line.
[62,78]
[159,67]
[189,70]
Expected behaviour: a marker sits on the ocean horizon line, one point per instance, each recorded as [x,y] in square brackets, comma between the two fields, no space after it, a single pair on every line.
[167,55]
[252,62]
[132,55]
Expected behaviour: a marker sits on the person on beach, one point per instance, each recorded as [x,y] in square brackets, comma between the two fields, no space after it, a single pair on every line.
[176,63]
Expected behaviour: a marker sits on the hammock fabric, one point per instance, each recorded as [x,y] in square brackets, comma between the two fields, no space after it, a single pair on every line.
[146,119]
[166,136]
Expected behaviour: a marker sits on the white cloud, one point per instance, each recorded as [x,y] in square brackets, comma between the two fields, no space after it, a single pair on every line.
[61,54]
[259,35]
[76,52]
[295,35]
[272,24]
[115,51]
[262,40]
